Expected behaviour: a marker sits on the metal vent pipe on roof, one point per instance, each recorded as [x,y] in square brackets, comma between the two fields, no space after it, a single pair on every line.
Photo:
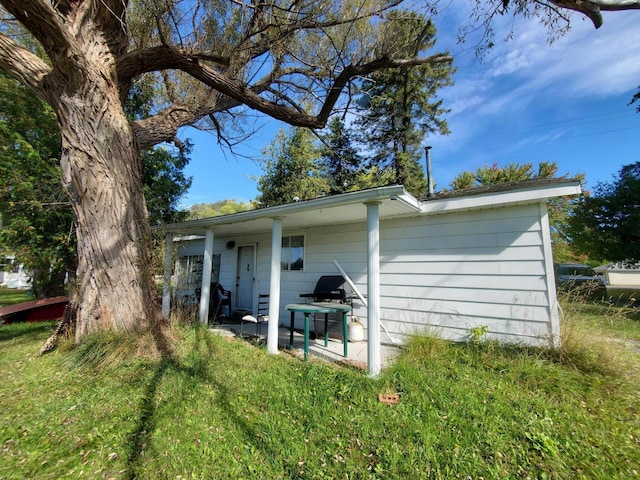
[427,151]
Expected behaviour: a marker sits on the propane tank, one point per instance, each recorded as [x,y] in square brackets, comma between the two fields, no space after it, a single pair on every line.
[356,331]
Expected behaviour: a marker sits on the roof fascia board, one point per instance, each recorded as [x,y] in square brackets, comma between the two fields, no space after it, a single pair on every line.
[409,200]
[361,196]
[475,202]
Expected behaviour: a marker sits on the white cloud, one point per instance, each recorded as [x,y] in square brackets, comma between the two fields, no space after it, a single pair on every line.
[525,74]
[585,62]
[529,100]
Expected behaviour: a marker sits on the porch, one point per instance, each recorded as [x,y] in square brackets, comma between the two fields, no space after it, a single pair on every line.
[333,352]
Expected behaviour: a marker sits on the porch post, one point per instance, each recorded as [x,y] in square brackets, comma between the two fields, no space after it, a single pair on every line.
[207,266]
[373,289]
[166,283]
[274,286]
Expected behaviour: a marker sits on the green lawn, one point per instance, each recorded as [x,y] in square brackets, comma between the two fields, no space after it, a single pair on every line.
[220,409]
[9,296]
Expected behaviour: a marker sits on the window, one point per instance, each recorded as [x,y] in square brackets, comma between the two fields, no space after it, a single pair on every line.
[189,271]
[293,252]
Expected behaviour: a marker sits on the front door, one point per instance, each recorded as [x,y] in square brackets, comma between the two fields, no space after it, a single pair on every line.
[245,277]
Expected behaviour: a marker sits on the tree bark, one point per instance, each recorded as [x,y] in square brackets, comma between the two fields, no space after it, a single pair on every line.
[101,170]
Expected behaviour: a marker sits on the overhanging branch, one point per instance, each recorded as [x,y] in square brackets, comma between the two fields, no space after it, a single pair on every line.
[43,22]
[164,125]
[22,65]
[592,8]
[353,71]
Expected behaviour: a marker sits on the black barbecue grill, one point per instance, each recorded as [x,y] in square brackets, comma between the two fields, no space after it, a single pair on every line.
[329,288]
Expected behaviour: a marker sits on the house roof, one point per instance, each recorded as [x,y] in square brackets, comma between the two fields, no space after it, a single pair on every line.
[532,183]
[500,195]
[331,210]
[394,201]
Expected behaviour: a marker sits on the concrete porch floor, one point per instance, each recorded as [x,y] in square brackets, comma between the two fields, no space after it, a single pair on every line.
[333,352]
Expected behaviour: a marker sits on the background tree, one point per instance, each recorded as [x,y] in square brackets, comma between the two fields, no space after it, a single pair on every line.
[292,170]
[372,176]
[560,209]
[162,166]
[513,172]
[606,224]
[339,159]
[37,218]
[39,223]
[222,207]
[397,107]
[165,182]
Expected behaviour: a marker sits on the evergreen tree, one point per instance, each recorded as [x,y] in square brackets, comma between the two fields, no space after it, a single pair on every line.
[339,159]
[397,107]
[494,174]
[606,224]
[291,169]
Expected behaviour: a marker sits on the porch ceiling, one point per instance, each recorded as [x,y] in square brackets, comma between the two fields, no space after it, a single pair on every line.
[393,201]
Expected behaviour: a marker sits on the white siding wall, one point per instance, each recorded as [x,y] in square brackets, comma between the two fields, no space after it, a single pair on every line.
[458,271]
[443,274]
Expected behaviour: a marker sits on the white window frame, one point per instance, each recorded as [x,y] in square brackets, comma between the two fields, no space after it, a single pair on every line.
[285,263]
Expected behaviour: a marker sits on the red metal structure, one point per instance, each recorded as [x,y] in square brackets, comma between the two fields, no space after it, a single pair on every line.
[35,311]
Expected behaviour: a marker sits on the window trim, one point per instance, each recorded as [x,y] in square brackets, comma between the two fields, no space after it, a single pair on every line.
[288,249]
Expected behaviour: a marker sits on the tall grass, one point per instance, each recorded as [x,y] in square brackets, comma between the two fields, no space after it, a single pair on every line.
[216,408]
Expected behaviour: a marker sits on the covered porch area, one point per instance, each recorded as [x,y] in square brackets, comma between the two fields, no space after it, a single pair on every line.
[365,208]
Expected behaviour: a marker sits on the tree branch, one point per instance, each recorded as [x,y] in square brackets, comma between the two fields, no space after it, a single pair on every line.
[164,125]
[352,71]
[23,65]
[164,57]
[592,8]
[110,15]
[43,22]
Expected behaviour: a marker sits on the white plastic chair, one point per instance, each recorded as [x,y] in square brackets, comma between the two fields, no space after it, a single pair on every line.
[261,316]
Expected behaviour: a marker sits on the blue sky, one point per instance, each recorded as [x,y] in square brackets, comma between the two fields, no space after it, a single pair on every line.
[526,101]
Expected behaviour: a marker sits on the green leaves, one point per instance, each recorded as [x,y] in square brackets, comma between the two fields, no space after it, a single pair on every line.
[494,174]
[291,169]
[397,107]
[36,216]
[606,225]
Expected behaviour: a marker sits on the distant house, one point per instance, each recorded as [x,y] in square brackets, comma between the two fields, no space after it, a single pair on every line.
[445,264]
[12,274]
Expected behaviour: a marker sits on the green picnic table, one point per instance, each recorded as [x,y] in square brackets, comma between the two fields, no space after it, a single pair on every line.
[318,307]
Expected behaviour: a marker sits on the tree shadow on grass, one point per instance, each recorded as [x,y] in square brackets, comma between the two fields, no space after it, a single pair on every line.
[140,438]
[16,330]
[141,434]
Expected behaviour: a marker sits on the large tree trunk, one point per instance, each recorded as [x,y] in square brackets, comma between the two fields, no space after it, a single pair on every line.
[101,171]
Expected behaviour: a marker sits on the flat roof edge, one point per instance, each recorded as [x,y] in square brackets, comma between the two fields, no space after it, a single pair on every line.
[532,194]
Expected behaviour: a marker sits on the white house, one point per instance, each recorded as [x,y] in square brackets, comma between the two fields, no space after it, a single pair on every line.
[444,264]
[13,275]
